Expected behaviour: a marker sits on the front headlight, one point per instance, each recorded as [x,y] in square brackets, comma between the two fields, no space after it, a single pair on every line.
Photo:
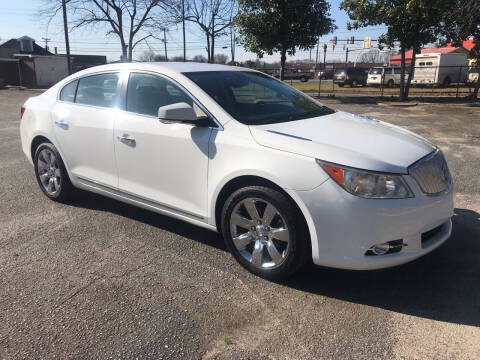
[368,184]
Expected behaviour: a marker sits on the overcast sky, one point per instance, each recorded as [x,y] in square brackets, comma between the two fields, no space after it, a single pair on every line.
[20,17]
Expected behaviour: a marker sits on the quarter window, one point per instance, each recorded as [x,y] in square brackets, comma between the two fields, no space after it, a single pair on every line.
[97,90]
[68,92]
[147,92]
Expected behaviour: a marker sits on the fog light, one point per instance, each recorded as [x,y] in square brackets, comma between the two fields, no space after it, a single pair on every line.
[380,249]
[386,248]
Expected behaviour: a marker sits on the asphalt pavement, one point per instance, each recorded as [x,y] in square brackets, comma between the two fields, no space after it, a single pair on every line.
[100,279]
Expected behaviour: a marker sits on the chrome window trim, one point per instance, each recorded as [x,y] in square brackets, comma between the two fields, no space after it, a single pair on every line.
[166,77]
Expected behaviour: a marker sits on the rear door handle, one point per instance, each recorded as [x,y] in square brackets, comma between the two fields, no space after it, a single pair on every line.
[127,140]
[62,124]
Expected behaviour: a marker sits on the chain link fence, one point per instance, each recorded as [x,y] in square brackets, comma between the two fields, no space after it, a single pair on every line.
[427,81]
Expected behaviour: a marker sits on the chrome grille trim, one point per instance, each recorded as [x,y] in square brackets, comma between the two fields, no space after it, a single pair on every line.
[431,173]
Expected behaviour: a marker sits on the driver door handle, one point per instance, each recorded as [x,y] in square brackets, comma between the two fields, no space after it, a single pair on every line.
[127,140]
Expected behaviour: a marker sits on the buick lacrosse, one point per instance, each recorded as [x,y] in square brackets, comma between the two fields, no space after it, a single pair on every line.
[282,177]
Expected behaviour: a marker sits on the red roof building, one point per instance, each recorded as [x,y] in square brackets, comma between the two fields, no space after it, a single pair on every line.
[467,45]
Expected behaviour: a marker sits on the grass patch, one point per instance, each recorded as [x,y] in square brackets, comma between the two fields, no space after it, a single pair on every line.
[228,341]
[328,87]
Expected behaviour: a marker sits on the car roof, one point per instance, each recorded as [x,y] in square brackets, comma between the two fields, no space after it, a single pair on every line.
[177,67]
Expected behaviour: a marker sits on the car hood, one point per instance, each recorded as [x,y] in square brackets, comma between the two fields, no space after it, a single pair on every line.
[347,139]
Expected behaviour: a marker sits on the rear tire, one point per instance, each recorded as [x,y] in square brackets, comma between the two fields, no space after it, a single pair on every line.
[390,84]
[265,232]
[51,174]
[354,83]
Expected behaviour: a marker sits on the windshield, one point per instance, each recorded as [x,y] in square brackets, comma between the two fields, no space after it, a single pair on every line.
[255,98]
[376,71]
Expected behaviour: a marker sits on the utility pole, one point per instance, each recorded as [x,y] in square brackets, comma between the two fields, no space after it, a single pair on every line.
[65,30]
[183,22]
[232,46]
[46,44]
[316,57]
[346,56]
[165,42]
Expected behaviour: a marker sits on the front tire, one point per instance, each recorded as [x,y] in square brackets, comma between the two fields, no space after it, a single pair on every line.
[52,177]
[265,232]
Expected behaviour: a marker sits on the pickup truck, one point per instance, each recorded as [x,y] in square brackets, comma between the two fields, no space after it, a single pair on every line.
[294,74]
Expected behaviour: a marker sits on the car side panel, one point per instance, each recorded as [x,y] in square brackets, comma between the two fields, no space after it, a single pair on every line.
[36,121]
[232,156]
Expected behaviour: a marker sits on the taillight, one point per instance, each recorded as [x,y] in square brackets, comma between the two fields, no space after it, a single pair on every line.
[383,76]
[22,110]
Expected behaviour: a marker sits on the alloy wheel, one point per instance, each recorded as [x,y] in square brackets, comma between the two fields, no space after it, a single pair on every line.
[259,232]
[49,172]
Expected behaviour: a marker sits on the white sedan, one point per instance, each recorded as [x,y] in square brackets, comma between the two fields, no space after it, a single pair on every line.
[285,179]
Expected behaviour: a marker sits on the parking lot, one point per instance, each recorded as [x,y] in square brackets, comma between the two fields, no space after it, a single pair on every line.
[100,279]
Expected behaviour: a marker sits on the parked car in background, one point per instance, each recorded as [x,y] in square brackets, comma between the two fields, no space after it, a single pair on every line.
[440,69]
[282,177]
[326,74]
[352,76]
[473,76]
[386,76]
[295,74]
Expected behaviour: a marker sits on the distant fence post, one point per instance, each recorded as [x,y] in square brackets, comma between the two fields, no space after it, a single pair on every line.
[319,85]
[333,80]
[458,82]
[382,82]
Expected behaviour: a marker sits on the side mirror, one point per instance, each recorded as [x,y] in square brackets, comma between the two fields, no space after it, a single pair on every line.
[177,113]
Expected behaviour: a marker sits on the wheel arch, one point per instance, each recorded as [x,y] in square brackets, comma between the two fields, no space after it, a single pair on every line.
[36,141]
[40,138]
[254,180]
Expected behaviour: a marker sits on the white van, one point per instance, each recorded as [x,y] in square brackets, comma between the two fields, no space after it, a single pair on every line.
[389,76]
[440,69]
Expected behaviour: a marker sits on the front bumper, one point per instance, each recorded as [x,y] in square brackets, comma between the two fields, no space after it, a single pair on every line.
[344,227]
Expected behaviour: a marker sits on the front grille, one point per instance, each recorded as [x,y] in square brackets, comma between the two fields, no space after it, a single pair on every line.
[431,173]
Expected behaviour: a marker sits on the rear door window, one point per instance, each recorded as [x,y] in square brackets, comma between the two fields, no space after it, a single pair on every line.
[98,90]
[68,92]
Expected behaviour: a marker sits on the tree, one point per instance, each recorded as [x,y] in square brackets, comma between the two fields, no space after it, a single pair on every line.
[213,17]
[220,59]
[150,56]
[132,21]
[462,21]
[413,23]
[268,26]
[199,58]
[147,56]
